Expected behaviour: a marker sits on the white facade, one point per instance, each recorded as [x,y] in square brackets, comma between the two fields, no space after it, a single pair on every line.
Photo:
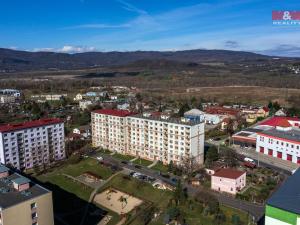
[4,99]
[32,143]
[150,138]
[85,104]
[212,119]
[282,148]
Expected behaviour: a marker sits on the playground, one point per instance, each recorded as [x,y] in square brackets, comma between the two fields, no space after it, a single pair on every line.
[117,201]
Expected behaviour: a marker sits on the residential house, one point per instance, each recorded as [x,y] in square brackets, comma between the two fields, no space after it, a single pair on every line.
[228,180]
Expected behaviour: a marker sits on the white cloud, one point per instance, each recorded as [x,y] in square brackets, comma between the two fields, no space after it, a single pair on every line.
[76,49]
[130,7]
[67,49]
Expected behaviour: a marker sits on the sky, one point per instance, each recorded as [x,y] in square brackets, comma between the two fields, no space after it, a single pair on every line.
[72,26]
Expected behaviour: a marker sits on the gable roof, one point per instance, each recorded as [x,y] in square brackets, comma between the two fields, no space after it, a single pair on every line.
[279,120]
[229,173]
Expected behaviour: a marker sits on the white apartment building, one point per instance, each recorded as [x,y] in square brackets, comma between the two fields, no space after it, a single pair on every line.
[280,142]
[34,143]
[147,136]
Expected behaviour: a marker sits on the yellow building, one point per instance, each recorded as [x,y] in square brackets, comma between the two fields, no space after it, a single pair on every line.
[23,202]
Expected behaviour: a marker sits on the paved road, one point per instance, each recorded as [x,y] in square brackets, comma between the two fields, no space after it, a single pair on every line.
[256,211]
[267,161]
[278,165]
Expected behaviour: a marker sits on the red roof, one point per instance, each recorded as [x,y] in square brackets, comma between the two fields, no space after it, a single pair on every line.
[266,109]
[29,124]
[221,110]
[228,173]
[114,112]
[279,121]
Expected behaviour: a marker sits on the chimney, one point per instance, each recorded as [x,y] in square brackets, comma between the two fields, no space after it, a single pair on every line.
[21,183]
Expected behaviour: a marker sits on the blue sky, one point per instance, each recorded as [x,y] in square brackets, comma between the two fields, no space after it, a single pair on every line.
[125,25]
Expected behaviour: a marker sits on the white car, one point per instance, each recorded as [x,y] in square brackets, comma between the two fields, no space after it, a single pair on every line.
[249,160]
[100,158]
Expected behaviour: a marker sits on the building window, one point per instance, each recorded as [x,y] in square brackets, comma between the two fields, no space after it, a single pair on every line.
[33,205]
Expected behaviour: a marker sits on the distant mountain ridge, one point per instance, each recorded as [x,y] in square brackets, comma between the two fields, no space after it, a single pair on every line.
[19,61]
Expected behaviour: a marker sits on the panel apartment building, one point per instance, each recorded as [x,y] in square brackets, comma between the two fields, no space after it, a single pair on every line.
[34,143]
[152,137]
[22,202]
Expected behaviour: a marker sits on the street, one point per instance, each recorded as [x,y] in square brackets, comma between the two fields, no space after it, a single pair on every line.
[257,211]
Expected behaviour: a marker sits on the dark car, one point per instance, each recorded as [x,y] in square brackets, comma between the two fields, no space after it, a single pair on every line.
[217,139]
[124,162]
[174,180]
[137,166]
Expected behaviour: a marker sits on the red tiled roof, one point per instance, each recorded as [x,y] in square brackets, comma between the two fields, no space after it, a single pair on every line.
[266,109]
[114,112]
[29,124]
[221,110]
[279,120]
[229,173]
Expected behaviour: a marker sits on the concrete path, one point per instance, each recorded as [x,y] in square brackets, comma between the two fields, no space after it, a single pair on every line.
[92,196]
[153,164]
[136,158]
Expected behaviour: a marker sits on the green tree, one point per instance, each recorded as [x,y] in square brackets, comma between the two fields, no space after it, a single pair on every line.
[179,194]
[183,108]
[211,155]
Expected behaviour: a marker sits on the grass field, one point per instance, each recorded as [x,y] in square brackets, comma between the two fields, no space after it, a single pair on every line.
[160,167]
[56,177]
[123,157]
[142,162]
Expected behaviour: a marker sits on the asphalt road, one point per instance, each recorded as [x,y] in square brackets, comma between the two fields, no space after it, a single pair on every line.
[256,211]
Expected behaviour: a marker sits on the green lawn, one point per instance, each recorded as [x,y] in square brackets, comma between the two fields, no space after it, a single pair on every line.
[160,167]
[123,157]
[142,162]
[88,164]
[56,176]
[68,185]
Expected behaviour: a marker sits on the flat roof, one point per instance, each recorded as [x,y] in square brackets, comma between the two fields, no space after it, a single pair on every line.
[168,120]
[287,197]
[292,135]
[10,197]
[29,124]
[114,112]
[3,169]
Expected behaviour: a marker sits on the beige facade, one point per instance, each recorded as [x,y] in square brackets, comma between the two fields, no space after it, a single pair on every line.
[152,138]
[36,211]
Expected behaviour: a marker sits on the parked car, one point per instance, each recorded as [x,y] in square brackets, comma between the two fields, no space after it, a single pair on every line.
[137,166]
[249,165]
[124,162]
[100,158]
[246,159]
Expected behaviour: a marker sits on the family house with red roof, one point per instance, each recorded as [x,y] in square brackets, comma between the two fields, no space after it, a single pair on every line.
[228,180]
[33,143]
